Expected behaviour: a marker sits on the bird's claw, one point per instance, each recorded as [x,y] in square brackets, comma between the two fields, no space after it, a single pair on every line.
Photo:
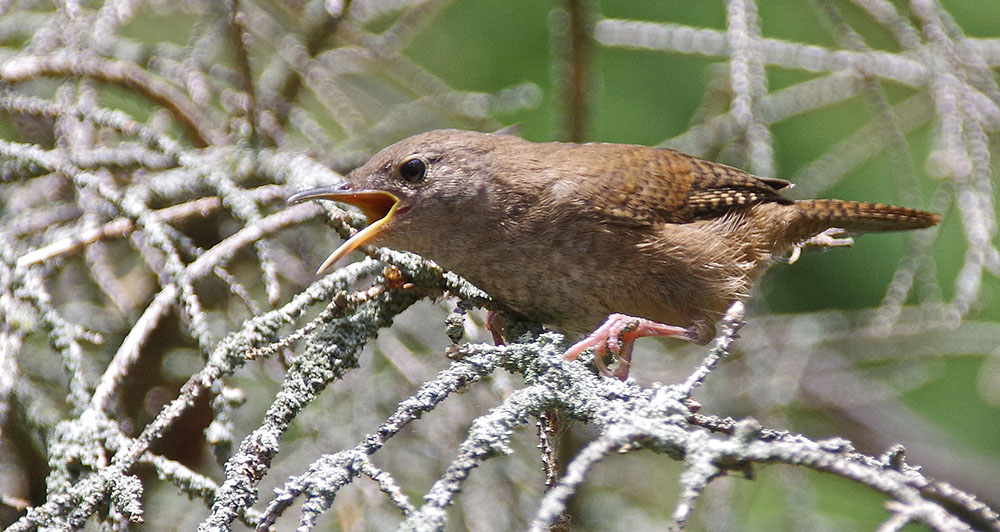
[494,324]
[833,237]
[618,334]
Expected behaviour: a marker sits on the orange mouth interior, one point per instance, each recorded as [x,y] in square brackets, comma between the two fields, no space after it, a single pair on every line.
[377,206]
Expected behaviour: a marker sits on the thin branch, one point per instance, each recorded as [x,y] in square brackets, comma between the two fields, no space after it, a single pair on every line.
[192,118]
[576,85]
[117,228]
[239,40]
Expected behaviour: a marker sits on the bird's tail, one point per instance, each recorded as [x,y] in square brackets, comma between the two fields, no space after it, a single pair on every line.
[858,217]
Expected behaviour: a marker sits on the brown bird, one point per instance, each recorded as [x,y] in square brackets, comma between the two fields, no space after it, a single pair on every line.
[647,241]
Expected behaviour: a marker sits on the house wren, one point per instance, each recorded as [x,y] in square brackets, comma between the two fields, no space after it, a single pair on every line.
[573,235]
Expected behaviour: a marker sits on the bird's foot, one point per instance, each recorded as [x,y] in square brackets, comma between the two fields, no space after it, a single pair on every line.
[833,237]
[617,335]
[494,325]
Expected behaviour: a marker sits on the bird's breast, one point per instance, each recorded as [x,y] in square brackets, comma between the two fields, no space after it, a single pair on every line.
[542,268]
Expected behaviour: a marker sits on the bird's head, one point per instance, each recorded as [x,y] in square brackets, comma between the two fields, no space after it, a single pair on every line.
[410,189]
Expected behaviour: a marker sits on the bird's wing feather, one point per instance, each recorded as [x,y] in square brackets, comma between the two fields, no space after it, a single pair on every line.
[638,185]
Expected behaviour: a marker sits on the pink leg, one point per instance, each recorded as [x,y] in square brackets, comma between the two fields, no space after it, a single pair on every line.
[493,325]
[618,333]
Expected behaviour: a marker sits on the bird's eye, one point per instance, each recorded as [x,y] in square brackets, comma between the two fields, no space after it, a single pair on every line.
[413,170]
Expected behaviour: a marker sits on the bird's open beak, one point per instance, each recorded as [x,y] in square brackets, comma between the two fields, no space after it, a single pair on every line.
[378,206]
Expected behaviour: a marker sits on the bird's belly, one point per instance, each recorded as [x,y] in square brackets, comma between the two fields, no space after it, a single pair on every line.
[570,286]
[561,294]
[571,280]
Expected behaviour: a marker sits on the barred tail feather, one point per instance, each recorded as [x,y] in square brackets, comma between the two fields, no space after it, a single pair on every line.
[861,217]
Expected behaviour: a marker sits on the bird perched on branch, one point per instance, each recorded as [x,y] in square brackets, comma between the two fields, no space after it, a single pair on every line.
[621,241]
